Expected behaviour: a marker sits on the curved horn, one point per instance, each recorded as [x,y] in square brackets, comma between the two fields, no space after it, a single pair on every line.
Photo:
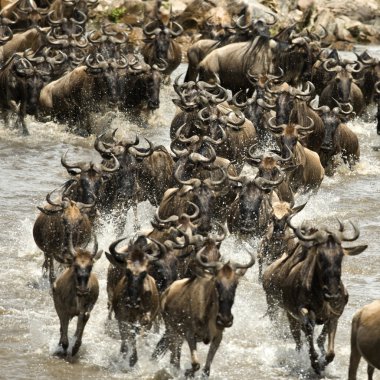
[351,67]
[276,129]
[115,168]
[195,182]
[179,31]
[119,256]
[326,64]
[195,214]
[69,167]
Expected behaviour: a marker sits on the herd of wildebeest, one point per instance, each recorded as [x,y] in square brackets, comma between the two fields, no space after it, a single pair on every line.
[246,91]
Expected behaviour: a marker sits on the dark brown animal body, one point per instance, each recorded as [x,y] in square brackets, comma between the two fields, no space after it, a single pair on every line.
[365,339]
[53,227]
[307,284]
[75,293]
[134,298]
[198,310]
[155,175]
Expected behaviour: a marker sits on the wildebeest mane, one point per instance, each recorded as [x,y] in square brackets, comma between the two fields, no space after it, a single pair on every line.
[256,50]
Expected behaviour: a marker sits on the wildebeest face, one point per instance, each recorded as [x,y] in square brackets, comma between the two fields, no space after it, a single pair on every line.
[153,81]
[226,283]
[343,80]
[111,78]
[162,44]
[331,122]
[89,186]
[135,284]
[329,264]
[82,270]
[204,198]
[34,85]
[249,208]
[288,144]
[284,106]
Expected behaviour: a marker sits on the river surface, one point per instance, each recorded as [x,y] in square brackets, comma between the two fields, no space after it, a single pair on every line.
[29,327]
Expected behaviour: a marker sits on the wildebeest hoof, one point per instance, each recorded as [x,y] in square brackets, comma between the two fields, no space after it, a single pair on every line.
[330,357]
[190,372]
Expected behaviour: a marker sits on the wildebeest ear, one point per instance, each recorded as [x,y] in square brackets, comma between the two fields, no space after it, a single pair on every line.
[298,208]
[241,272]
[113,261]
[353,251]
[97,255]
[308,268]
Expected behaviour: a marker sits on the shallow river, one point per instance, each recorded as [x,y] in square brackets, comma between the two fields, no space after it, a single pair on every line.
[29,327]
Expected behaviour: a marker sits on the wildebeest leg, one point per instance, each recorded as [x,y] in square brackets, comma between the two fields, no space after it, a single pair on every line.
[132,338]
[64,340]
[82,320]
[5,116]
[175,351]
[308,327]
[162,345]
[50,264]
[20,122]
[123,329]
[370,371]
[331,327]
[322,339]
[211,353]
[295,329]
[355,355]
[194,356]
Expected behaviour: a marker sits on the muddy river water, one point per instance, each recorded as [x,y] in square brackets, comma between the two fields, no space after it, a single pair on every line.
[29,327]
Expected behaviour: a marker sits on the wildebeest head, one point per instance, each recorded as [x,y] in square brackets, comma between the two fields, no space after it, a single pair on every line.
[107,75]
[31,80]
[342,80]
[161,38]
[325,255]
[134,259]
[252,194]
[226,278]
[286,99]
[269,164]
[289,135]
[202,194]
[82,261]
[331,118]
[90,177]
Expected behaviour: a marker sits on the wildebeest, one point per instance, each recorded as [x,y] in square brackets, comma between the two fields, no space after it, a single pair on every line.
[307,284]
[200,192]
[155,174]
[271,166]
[75,292]
[54,225]
[278,238]
[134,298]
[198,310]
[342,86]
[260,56]
[121,190]
[20,84]
[309,171]
[91,177]
[160,45]
[72,97]
[292,106]
[251,210]
[338,138]
[365,339]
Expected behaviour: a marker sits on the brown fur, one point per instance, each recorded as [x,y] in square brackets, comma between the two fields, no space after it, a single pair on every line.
[365,339]
[69,303]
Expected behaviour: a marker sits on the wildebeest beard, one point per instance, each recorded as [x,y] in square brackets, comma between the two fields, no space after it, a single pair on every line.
[250,212]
